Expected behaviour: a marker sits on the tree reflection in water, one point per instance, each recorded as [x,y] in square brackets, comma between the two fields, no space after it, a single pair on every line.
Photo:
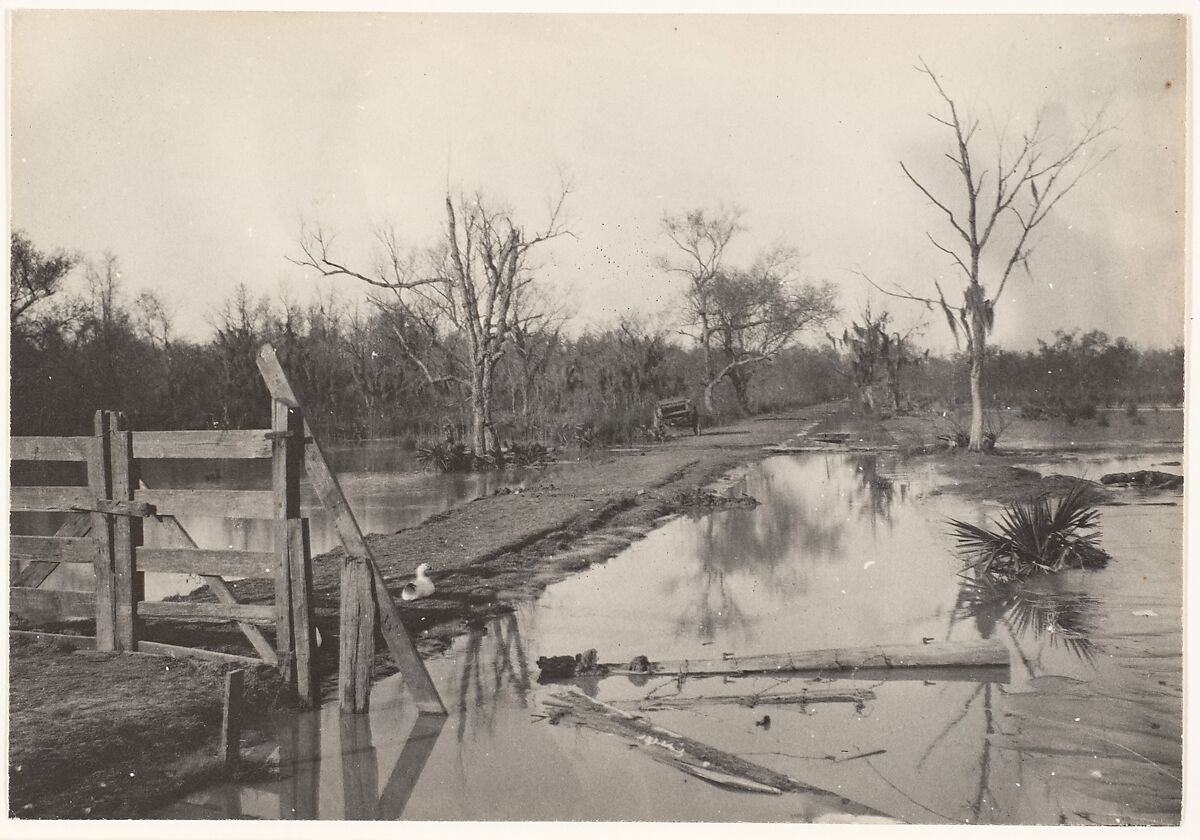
[497,648]
[772,548]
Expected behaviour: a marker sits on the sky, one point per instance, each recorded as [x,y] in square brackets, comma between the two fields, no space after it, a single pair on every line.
[192,146]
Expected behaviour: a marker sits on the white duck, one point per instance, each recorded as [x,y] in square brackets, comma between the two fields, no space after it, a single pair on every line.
[422,587]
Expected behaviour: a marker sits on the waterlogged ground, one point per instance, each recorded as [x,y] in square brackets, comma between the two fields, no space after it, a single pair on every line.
[846,549]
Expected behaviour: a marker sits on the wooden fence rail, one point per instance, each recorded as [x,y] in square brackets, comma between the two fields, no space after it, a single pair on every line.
[105,530]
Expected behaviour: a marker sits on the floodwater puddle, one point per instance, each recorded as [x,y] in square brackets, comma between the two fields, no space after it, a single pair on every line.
[846,549]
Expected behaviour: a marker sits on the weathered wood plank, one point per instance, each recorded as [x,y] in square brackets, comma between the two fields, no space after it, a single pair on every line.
[64,499]
[53,549]
[303,614]
[232,504]
[354,663]
[231,719]
[685,753]
[793,698]
[221,590]
[206,561]
[35,448]
[127,535]
[187,611]
[64,639]
[206,444]
[986,652]
[180,652]
[118,507]
[33,575]
[287,425]
[356,636]
[99,472]
[43,606]
[76,525]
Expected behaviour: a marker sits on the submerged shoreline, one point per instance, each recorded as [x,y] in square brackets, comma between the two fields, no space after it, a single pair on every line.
[502,549]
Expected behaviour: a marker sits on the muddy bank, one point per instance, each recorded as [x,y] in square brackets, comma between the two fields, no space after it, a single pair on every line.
[508,546]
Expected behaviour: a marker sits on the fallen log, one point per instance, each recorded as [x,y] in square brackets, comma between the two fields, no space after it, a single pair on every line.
[985,652]
[1149,479]
[686,754]
[797,698]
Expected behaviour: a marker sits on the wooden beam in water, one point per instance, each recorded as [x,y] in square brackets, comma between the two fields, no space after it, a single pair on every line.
[686,754]
[985,652]
[793,698]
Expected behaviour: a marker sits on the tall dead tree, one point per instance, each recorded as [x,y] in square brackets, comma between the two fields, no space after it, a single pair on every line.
[998,206]
[451,307]
[757,313]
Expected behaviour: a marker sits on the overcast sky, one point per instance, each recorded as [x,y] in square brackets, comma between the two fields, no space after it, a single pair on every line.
[192,144]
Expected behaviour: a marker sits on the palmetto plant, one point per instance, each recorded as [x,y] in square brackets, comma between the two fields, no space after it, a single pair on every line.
[1035,536]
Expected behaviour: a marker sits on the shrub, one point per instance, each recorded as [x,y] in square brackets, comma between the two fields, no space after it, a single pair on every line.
[1035,536]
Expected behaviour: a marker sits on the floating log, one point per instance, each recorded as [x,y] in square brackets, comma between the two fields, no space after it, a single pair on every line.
[797,698]
[985,652]
[683,753]
[1151,479]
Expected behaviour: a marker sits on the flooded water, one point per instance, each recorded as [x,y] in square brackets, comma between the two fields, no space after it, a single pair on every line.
[386,488]
[846,549]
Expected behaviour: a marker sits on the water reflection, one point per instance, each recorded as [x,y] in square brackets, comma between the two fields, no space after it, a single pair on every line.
[1032,612]
[330,767]
[497,646]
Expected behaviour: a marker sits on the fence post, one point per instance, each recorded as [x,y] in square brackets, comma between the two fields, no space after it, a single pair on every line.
[303,629]
[286,426]
[231,719]
[100,483]
[128,587]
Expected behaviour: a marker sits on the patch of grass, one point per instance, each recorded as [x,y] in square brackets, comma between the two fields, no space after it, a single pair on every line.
[1035,536]
[109,734]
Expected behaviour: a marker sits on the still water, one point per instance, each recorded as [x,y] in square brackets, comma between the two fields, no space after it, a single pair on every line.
[846,549]
[386,488]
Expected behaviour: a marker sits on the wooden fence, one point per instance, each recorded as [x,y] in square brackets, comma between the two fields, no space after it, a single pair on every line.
[105,531]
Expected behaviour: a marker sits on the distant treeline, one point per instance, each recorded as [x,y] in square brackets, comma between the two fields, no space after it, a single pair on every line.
[104,351]
[74,354]
[1071,376]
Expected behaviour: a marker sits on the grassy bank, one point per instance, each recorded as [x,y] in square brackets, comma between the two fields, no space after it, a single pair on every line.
[114,735]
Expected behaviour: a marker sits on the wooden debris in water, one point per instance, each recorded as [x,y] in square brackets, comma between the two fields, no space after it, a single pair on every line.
[794,698]
[985,652]
[679,751]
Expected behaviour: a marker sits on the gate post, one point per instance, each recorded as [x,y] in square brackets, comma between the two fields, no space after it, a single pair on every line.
[285,482]
[128,583]
[99,476]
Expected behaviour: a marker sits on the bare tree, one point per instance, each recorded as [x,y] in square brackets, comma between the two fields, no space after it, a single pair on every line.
[755,314]
[453,306]
[1015,191]
[537,324]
